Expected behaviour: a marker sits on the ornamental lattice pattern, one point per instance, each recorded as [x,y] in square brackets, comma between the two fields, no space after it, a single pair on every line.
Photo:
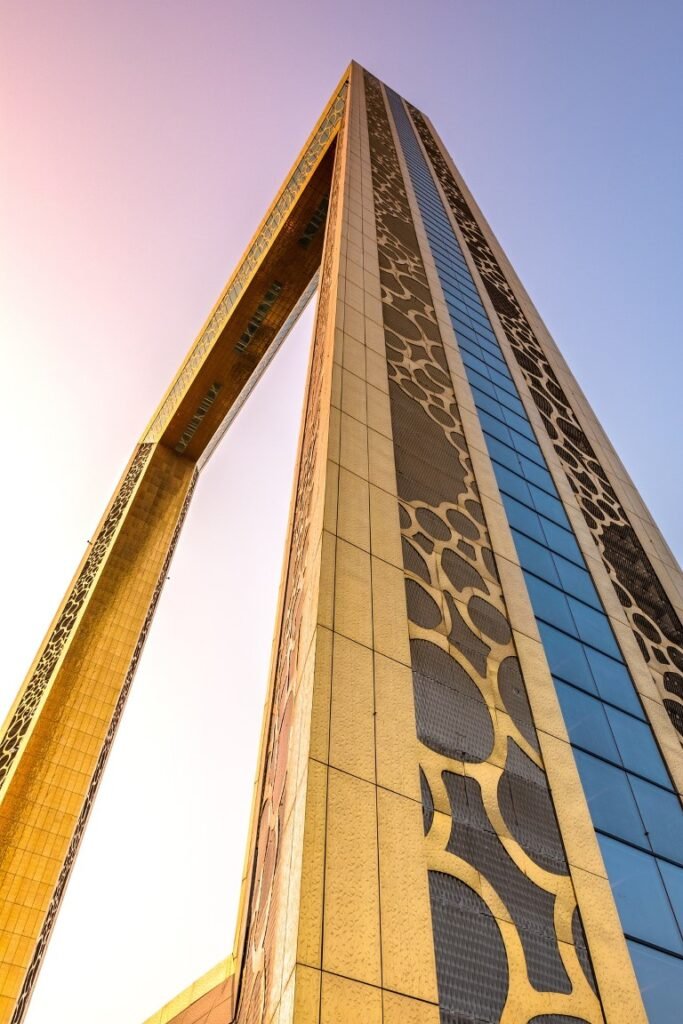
[55,902]
[64,627]
[652,617]
[506,926]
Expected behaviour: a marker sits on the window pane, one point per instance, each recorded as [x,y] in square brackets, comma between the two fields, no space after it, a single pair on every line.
[531,471]
[528,447]
[593,627]
[521,424]
[492,425]
[577,582]
[473,362]
[613,682]
[503,381]
[673,882]
[661,812]
[550,604]
[479,381]
[642,902]
[535,558]
[586,722]
[610,799]
[512,484]
[661,982]
[502,453]
[561,541]
[548,506]
[523,518]
[486,404]
[566,657]
[637,747]
[509,400]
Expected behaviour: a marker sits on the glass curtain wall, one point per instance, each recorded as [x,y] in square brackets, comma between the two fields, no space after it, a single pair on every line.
[636,813]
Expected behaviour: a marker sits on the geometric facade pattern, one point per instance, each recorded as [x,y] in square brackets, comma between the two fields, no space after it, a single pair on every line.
[468,801]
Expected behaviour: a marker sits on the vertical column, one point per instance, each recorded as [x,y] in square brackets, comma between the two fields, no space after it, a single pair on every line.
[337,919]
[616,982]
[59,733]
[377,954]
[508,938]
[606,722]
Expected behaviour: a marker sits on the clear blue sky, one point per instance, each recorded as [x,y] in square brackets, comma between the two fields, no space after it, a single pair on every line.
[143,142]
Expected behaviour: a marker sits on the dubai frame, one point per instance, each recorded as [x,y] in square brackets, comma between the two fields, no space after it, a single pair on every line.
[468,799]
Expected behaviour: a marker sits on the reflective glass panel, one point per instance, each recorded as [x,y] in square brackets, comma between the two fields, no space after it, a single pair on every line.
[661,812]
[610,800]
[638,750]
[593,627]
[550,604]
[673,880]
[536,558]
[643,906]
[567,657]
[586,722]
[613,682]
[661,983]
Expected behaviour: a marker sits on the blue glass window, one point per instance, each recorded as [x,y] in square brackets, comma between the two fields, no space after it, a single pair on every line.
[551,603]
[562,541]
[548,506]
[639,892]
[637,747]
[483,383]
[512,484]
[576,581]
[673,880]
[661,813]
[487,405]
[610,799]
[503,454]
[593,627]
[661,982]
[536,558]
[531,470]
[567,658]
[586,722]
[613,682]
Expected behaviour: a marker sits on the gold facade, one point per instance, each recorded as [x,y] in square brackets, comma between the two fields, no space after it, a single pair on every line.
[399,560]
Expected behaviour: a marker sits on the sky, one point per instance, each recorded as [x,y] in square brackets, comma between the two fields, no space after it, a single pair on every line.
[141,144]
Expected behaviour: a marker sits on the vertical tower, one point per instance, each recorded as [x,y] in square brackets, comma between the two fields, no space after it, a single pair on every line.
[467,806]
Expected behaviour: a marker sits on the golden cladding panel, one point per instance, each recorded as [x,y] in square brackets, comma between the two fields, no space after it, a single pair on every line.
[306,1009]
[353,600]
[389,611]
[352,730]
[321,696]
[386,538]
[407,940]
[353,511]
[349,1001]
[351,939]
[397,744]
[401,1010]
[310,909]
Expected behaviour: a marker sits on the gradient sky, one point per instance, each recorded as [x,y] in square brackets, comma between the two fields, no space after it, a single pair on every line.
[142,142]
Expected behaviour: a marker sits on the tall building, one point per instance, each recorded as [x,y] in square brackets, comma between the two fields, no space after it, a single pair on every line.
[467,804]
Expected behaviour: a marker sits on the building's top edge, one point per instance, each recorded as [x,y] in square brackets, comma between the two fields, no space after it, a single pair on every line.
[315,147]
